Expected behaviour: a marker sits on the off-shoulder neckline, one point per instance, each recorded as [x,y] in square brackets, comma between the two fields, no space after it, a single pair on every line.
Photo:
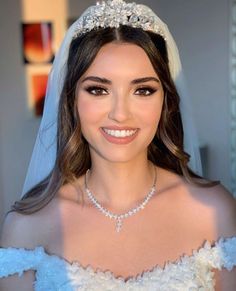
[76,266]
[156,268]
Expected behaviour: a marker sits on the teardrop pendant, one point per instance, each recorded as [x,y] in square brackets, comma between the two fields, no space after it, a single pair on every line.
[118,224]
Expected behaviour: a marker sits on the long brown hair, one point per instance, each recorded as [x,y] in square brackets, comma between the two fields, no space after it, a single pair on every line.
[73,157]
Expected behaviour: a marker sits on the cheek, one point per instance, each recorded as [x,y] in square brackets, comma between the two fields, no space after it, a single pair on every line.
[89,111]
[151,113]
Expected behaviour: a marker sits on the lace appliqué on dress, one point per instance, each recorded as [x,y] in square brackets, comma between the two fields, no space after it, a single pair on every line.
[189,273]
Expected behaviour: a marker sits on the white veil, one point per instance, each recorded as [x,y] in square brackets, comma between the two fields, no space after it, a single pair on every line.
[44,152]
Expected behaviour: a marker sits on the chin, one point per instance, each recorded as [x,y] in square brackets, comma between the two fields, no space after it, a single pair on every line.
[119,156]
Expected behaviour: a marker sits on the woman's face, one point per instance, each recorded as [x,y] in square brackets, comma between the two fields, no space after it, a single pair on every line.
[119,101]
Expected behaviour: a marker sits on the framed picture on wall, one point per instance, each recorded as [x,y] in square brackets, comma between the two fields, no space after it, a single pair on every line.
[37,42]
[37,85]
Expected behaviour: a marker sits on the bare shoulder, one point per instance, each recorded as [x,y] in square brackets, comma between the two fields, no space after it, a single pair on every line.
[219,201]
[210,212]
[15,231]
[29,230]
[217,206]
[43,227]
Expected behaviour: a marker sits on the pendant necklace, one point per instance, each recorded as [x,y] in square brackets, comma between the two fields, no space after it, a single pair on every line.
[119,217]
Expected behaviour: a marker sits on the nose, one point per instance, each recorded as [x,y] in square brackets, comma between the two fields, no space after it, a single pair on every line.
[120,110]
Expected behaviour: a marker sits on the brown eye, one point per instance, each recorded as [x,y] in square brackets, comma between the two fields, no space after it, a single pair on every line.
[145,91]
[96,91]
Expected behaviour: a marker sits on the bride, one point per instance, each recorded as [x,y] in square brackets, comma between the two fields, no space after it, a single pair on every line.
[110,201]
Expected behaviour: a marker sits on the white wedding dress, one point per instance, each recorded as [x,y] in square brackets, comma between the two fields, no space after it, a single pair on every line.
[189,273]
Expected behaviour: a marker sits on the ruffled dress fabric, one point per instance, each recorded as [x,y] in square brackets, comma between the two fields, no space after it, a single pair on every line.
[189,273]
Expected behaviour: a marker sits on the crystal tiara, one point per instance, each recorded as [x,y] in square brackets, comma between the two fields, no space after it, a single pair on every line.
[113,13]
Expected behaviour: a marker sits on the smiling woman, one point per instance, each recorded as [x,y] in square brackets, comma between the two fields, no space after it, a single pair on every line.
[123,109]
[120,157]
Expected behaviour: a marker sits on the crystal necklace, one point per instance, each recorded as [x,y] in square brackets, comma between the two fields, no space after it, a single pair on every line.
[119,217]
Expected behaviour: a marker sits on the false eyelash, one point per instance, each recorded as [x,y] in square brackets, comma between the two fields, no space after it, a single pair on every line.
[150,89]
[89,89]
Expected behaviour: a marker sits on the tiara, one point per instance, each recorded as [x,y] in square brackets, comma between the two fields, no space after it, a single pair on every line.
[113,13]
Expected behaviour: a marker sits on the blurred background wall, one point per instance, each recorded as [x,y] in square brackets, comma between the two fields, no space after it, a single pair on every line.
[18,126]
[201,29]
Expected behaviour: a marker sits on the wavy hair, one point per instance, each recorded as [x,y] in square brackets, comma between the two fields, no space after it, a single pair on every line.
[73,157]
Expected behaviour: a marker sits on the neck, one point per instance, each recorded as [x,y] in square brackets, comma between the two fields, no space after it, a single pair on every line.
[121,186]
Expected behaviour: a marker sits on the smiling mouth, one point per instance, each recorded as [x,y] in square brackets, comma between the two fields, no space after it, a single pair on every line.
[120,133]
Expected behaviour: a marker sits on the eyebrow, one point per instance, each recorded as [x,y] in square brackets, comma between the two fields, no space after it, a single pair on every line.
[106,81]
[97,79]
[146,79]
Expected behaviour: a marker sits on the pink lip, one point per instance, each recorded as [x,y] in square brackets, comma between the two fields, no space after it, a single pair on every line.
[119,140]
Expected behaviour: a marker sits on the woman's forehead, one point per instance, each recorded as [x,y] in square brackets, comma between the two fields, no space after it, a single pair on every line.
[121,58]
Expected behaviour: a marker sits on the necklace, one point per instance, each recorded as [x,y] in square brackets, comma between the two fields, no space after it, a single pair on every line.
[119,217]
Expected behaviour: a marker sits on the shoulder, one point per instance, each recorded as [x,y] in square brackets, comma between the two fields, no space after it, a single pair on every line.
[31,230]
[209,210]
[215,209]
[19,252]
[43,227]
[16,231]
[216,199]
[221,203]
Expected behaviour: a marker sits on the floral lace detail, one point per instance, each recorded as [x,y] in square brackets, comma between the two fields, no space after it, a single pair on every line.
[192,273]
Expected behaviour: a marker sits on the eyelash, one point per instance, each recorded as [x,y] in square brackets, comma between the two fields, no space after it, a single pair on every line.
[150,91]
[99,91]
[96,89]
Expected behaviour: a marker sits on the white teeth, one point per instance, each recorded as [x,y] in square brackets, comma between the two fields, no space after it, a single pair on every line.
[120,133]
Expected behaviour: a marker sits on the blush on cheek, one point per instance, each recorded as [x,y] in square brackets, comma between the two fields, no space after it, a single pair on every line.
[151,116]
[89,111]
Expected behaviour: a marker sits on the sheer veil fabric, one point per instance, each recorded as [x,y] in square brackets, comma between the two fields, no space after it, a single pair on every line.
[44,152]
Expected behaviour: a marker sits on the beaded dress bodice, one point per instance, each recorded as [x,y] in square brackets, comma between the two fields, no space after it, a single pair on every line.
[52,273]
